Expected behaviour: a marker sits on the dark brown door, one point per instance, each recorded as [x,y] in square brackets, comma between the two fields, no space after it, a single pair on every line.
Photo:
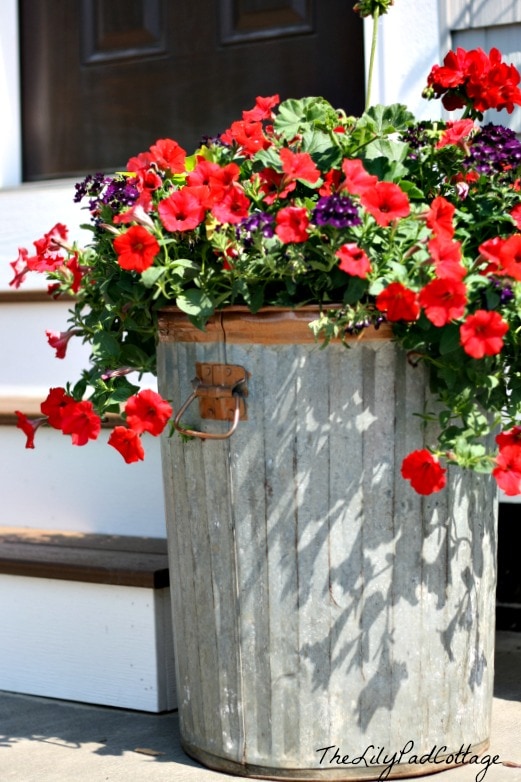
[103,79]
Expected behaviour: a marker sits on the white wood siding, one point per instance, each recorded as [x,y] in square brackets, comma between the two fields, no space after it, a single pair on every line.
[465,14]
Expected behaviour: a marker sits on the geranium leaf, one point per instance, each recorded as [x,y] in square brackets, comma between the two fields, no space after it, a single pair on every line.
[388,119]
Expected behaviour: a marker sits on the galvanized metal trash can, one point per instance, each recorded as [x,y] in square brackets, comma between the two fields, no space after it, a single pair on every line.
[329,622]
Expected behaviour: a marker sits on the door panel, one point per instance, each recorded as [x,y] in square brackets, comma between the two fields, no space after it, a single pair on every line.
[119,30]
[103,79]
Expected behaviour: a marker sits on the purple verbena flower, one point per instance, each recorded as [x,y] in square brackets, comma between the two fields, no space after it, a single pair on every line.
[258,222]
[494,149]
[337,211]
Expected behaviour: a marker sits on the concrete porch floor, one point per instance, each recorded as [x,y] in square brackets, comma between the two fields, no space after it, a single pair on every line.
[44,740]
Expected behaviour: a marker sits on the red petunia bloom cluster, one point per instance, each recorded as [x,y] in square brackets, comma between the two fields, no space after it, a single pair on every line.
[384,218]
[62,412]
[473,78]
[146,411]
[51,254]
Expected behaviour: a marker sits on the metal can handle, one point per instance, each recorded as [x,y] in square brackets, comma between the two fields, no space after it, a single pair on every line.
[207,435]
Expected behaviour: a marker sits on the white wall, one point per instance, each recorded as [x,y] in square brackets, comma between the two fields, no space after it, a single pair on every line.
[408,46]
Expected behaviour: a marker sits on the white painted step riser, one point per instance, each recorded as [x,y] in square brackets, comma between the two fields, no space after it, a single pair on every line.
[28,363]
[87,489]
[47,649]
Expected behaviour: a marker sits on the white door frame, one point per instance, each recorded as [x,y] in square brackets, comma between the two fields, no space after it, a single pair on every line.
[11,126]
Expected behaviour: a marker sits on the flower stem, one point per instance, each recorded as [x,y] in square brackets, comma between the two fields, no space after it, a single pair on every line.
[372,56]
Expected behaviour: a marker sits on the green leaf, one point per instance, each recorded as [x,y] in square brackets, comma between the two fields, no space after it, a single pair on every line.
[355,289]
[411,189]
[450,339]
[195,302]
[185,268]
[123,390]
[295,116]
[151,275]
[105,344]
[388,119]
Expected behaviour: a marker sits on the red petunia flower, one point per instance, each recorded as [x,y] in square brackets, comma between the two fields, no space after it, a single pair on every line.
[424,472]
[515,214]
[482,333]
[440,216]
[50,243]
[59,341]
[456,133]
[138,213]
[28,427]
[443,300]
[136,249]
[248,135]
[272,185]
[53,405]
[147,411]
[509,437]
[353,260]
[223,176]
[183,210]
[48,256]
[128,443]
[202,172]
[233,205]
[446,254]
[214,178]
[510,256]
[77,272]
[168,155]
[507,471]
[262,109]
[357,179]
[292,223]
[386,202]
[139,163]
[398,302]
[490,249]
[331,182]
[80,421]
[20,268]
[298,165]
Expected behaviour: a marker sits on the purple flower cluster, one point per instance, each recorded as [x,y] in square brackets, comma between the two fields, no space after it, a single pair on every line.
[336,210]
[258,222]
[114,192]
[504,288]
[416,137]
[493,150]
[91,186]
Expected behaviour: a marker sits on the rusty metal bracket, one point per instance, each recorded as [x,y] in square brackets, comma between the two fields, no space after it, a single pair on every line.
[221,390]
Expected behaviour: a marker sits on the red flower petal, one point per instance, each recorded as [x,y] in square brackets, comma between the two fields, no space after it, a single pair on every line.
[128,443]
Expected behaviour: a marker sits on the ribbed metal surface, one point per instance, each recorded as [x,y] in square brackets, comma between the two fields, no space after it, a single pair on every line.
[318,601]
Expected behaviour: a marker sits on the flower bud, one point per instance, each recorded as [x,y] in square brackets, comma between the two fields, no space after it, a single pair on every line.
[371,7]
